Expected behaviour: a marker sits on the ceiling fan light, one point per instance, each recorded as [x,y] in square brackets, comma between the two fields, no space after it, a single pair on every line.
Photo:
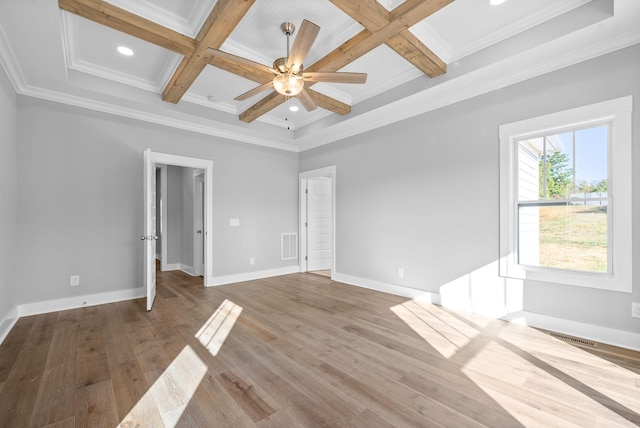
[288,85]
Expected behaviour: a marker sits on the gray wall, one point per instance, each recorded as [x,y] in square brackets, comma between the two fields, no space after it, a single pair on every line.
[8,196]
[174,215]
[423,194]
[158,216]
[186,258]
[86,217]
[179,201]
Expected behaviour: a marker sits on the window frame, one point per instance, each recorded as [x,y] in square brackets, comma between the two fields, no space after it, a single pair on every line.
[619,113]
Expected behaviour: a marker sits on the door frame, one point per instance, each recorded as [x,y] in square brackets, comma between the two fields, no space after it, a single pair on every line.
[198,208]
[207,166]
[330,172]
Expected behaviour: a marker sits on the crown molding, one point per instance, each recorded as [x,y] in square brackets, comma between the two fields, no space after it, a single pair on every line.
[507,31]
[148,10]
[9,64]
[470,85]
[74,62]
[214,128]
[517,68]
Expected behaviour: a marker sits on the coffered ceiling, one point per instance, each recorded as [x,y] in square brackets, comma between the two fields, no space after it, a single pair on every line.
[66,51]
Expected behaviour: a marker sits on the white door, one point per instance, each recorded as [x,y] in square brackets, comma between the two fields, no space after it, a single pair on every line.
[198,225]
[149,237]
[319,224]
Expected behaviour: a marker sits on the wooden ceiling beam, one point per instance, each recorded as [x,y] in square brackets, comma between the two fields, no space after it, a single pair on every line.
[224,17]
[413,50]
[266,104]
[119,19]
[373,16]
[400,19]
[328,103]
[241,70]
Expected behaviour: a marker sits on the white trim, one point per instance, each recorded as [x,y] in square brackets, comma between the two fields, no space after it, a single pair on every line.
[213,128]
[187,269]
[207,166]
[521,67]
[398,290]
[609,336]
[250,276]
[517,68]
[164,223]
[8,322]
[171,266]
[75,302]
[618,111]
[329,171]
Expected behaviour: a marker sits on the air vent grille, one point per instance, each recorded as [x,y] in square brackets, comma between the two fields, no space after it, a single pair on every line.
[289,246]
[575,340]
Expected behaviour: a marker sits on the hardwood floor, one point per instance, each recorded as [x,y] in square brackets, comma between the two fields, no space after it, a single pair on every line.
[302,351]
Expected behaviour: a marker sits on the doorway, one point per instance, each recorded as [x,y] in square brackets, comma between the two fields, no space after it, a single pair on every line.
[317,221]
[180,218]
[151,160]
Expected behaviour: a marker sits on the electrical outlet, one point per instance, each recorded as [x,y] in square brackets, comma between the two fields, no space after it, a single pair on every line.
[74,280]
[635,309]
[400,272]
[252,261]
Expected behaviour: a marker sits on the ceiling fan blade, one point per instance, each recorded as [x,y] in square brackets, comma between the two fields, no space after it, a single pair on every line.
[301,45]
[254,91]
[306,101]
[241,60]
[334,77]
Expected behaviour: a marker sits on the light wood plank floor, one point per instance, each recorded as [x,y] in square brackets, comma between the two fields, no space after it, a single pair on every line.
[302,351]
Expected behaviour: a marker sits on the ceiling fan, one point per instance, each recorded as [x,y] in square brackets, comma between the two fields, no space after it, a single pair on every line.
[289,76]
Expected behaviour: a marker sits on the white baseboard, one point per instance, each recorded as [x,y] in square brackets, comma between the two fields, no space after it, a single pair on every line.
[609,336]
[398,290]
[606,335]
[8,322]
[189,270]
[249,276]
[75,302]
[171,266]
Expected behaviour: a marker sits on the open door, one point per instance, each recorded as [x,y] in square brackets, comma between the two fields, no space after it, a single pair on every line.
[149,238]
[198,225]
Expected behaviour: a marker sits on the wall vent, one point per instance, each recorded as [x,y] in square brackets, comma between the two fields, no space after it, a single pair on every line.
[289,246]
[575,340]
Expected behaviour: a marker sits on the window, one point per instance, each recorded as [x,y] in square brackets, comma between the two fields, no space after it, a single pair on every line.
[559,219]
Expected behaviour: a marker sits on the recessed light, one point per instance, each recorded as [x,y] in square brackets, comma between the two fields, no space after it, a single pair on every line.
[125,51]
[294,108]
[496,2]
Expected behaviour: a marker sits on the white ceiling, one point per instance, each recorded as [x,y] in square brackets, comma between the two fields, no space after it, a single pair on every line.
[55,55]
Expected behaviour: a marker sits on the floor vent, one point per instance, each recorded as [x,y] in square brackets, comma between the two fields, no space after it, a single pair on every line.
[575,340]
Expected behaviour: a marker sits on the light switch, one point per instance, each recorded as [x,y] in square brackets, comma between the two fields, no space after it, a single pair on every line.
[234,222]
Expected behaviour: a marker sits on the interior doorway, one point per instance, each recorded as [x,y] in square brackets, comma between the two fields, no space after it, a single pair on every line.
[151,161]
[180,219]
[317,221]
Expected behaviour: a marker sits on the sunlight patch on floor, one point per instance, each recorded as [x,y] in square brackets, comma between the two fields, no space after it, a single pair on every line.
[533,368]
[215,331]
[447,334]
[165,402]
[560,380]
